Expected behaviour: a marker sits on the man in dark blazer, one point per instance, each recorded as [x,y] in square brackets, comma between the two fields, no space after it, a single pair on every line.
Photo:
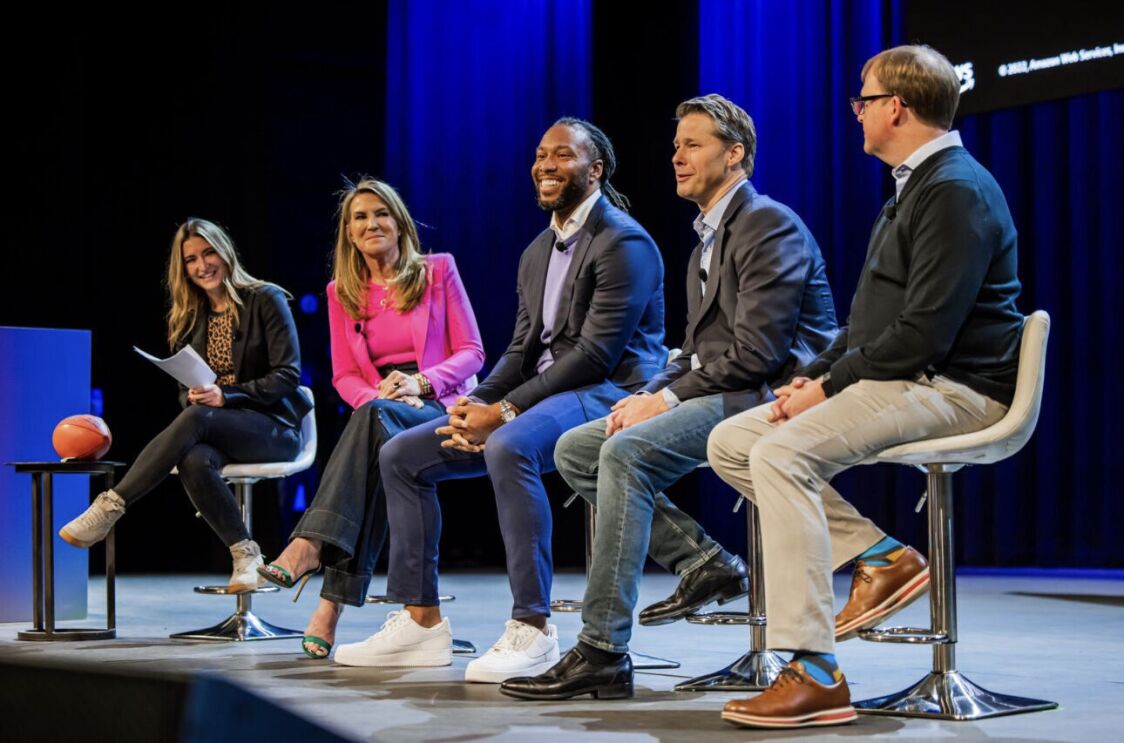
[589,330]
[759,306]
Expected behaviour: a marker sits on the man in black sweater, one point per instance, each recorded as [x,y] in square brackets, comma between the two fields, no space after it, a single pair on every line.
[930,350]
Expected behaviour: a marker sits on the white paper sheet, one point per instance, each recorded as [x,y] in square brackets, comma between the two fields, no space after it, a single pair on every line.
[187,367]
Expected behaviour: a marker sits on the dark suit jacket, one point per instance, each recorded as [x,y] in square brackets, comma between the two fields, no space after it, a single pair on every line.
[767,309]
[267,357]
[609,324]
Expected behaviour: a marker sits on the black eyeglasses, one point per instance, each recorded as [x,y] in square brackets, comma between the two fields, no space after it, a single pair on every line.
[858,102]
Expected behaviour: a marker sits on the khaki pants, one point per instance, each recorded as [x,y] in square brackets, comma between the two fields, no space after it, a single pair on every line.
[807,529]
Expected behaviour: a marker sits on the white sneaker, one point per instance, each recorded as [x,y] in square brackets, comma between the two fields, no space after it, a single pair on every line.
[94,523]
[247,560]
[401,642]
[523,650]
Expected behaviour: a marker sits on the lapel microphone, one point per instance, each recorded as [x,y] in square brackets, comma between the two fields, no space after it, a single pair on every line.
[560,246]
[891,209]
[702,274]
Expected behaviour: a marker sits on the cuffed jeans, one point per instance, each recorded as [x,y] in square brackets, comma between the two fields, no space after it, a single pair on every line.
[200,442]
[348,513]
[807,529]
[515,458]
[624,476]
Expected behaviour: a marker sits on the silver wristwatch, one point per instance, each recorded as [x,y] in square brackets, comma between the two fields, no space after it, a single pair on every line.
[507,411]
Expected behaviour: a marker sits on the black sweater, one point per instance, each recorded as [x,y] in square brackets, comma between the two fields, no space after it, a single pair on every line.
[937,292]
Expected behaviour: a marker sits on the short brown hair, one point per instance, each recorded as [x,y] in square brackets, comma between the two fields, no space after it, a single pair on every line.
[731,123]
[922,77]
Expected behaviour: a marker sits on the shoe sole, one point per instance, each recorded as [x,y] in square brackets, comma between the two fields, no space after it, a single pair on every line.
[74,541]
[623,691]
[412,659]
[722,597]
[899,600]
[837,716]
[498,677]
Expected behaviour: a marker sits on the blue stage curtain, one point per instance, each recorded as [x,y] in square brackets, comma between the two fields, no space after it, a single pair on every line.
[471,87]
[792,65]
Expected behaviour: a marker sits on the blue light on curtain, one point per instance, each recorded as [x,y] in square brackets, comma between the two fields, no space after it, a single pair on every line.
[471,87]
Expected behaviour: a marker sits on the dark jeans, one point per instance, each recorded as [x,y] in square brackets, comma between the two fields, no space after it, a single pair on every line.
[200,441]
[516,457]
[349,511]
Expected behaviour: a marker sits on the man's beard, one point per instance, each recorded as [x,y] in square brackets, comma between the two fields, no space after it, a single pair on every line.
[570,197]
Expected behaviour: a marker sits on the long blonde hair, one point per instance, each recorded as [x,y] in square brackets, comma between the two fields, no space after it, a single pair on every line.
[350,271]
[189,302]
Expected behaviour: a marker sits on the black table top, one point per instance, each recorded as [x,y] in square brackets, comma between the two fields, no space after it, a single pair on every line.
[77,466]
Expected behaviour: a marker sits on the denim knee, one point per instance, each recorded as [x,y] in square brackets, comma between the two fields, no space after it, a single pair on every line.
[199,461]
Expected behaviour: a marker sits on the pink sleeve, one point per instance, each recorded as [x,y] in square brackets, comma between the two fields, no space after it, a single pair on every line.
[464,336]
[346,375]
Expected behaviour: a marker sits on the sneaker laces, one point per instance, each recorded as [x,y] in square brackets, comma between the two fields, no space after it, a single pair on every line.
[395,620]
[105,509]
[516,637]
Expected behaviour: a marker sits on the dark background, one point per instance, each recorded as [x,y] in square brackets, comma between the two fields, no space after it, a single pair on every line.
[119,128]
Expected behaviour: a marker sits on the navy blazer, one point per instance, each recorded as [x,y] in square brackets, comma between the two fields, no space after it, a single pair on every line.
[267,357]
[767,309]
[609,324]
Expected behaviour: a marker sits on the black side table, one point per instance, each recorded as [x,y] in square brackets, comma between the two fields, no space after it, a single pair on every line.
[43,551]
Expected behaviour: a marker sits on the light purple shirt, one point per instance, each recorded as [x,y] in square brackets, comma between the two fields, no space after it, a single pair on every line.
[556,270]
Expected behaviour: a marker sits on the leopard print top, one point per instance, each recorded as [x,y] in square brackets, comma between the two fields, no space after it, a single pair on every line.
[220,353]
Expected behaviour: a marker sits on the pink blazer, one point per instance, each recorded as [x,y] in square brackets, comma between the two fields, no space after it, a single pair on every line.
[443,328]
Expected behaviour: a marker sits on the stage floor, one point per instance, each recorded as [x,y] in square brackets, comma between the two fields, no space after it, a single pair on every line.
[1058,636]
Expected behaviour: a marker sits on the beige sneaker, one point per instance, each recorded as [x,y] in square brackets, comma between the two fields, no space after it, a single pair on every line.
[247,560]
[95,522]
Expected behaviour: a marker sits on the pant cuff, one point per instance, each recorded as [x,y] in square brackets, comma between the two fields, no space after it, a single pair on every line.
[608,647]
[703,558]
[345,588]
[329,527]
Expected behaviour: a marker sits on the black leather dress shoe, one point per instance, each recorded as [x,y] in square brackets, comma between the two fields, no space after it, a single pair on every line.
[718,579]
[574,676]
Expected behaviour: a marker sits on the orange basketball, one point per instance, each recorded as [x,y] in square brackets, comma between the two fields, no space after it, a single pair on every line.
[81,437]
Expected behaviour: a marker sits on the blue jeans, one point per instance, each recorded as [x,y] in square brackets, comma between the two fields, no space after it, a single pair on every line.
[349,511]
[624,476]
[517,455]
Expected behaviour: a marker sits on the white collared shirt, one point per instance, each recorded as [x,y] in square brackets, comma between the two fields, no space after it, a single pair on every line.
[921,154]
[575,221]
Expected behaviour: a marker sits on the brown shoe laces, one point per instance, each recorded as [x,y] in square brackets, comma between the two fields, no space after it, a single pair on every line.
[787,676]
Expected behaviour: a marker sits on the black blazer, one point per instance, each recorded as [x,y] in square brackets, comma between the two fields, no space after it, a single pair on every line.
[267,357]
[609,324]
[767,310]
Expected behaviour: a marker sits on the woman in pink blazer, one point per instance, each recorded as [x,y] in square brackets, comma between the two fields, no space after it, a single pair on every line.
[404,345]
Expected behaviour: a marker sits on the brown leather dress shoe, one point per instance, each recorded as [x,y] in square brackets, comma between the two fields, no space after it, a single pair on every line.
[795,700]
[880,592]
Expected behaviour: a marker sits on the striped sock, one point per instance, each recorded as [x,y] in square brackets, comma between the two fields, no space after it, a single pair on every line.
[883,553]
[820,666]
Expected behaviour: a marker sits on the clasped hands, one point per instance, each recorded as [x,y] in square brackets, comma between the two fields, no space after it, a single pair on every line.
[470,425]
[795,397]
[401,387]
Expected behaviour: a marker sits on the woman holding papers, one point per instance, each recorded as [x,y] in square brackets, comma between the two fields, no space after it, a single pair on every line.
[404,345]
[251,412]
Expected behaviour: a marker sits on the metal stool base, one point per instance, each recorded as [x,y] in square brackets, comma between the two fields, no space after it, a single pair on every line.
[463,647]
[221,590]
[66,634]
[644,662]
[754,671]
[387,600]
[241,626]
[950,696]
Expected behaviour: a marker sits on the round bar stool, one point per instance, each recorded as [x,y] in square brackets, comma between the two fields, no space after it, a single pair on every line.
[945,693]
[243,624]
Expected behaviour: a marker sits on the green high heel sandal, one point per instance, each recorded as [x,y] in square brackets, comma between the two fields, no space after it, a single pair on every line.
[278,575]
[314,640]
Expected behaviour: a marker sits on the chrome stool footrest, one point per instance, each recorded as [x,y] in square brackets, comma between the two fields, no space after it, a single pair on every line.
[566,606]
[910,635]
[735,618]
[387,600]
[754,671]
[221,590]
[950,696]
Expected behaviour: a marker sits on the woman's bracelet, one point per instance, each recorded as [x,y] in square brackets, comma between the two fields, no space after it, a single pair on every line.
[424,384]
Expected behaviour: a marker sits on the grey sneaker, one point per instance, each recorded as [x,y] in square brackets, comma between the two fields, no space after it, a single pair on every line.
[247,560]
[95,522]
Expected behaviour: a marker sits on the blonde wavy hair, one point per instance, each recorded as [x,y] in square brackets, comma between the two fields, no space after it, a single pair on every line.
[189,302]
[350,271]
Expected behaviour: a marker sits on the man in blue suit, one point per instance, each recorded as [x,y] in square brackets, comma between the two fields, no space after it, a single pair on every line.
[589,330]
[759,306]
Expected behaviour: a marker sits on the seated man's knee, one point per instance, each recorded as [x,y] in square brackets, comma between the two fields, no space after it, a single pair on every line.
[726,449]
[623,447]
[573,450]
